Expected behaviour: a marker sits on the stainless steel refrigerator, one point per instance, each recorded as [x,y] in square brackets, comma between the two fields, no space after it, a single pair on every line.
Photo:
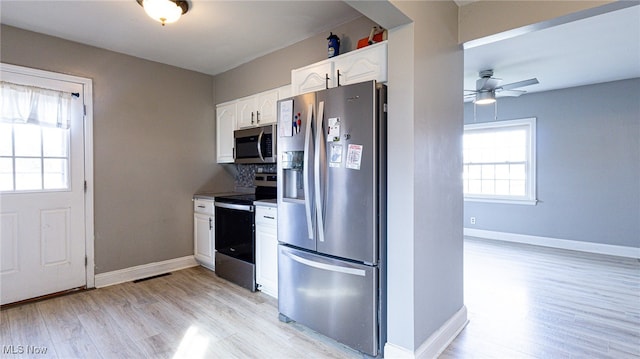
[332,213]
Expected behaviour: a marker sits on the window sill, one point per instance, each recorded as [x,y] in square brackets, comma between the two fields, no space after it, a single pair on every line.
[527,202]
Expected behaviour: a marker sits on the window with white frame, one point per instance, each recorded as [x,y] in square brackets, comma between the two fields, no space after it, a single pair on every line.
[499,161]
[34,138]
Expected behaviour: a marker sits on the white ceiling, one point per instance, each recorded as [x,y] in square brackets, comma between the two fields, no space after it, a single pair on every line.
[212,37]
[215,36]
[597,49]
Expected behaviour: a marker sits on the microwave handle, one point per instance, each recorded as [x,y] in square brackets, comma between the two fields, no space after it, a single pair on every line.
[260,145]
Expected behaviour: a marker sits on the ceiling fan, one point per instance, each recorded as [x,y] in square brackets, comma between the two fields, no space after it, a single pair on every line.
[487,86]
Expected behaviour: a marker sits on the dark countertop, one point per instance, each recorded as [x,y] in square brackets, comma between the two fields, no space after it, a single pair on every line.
[212,195]
[267,203]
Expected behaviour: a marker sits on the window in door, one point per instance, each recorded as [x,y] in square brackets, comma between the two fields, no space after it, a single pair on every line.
[499,161]
[34,138]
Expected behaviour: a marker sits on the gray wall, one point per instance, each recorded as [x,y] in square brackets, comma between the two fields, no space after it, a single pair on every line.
[437,128]
[425,189]
[154,145]
[274,69]
[588,165]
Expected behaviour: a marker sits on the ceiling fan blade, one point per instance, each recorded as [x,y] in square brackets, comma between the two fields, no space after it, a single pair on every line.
[487,83]
[523,83]
[474,91]
[511,93]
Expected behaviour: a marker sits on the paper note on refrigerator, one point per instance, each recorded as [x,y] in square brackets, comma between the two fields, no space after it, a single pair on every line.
[285,119]
[335,155]
[334,130]
[354,157]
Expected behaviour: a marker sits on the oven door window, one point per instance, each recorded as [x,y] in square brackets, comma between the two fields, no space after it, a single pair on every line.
[235,233]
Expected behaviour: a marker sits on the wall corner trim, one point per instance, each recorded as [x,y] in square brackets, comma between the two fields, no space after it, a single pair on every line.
[590,247]
[143,271]
[436,343]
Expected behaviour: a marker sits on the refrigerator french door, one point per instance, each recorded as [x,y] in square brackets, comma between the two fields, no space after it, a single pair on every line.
[331,213]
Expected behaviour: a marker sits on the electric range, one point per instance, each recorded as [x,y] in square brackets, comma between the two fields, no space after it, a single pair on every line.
[235,232]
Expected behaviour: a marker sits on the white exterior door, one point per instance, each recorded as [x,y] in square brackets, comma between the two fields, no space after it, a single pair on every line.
[42,198]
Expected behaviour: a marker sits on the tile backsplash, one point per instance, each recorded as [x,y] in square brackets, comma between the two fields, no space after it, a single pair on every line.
[246,173]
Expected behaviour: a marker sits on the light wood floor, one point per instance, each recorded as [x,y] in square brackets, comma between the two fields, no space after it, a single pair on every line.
[523,302]
[189,314]
[527,301]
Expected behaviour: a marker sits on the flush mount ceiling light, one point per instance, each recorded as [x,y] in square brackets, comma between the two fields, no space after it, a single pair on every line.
[485,98]
[164,11]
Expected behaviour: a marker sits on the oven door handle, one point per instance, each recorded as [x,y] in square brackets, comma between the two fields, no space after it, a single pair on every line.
[239,207]
[260,145]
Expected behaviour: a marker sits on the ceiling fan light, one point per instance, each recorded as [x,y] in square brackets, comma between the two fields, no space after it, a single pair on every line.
[164,11]
[485,98]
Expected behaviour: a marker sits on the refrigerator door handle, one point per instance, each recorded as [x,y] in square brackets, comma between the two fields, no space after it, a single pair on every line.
[305,174]
[324,266]
[318,184]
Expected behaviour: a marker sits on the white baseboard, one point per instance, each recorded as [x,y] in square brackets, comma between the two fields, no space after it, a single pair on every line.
[143,271]
[609,249]
[435,344]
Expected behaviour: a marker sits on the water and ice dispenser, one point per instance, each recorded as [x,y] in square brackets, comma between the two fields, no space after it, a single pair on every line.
[292,181]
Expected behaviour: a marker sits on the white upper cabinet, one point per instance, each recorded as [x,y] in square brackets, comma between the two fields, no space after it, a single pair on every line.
[251,111]
[368,63]
[246,108]
[258,109]
[356,66]
[267,107]
[312,78]
[225,125]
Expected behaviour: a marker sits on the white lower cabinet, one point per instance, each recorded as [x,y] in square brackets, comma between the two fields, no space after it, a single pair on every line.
[267,250]
[203,233]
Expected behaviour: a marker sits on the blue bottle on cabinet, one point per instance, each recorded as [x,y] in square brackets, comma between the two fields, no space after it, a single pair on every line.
[334,45]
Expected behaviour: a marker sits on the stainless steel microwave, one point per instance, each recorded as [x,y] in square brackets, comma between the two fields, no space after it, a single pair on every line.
[255,145]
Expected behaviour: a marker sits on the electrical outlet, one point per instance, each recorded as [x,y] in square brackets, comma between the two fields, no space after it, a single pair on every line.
[472,220]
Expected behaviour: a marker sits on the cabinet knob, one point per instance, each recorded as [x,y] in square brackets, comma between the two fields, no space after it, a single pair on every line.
[257,116]
[252,118]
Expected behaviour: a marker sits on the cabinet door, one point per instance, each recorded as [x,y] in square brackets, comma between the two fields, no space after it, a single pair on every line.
[247,112]
[312,78]
[203,239]
[225,125]
[266,107]
[369,63]
[267,250]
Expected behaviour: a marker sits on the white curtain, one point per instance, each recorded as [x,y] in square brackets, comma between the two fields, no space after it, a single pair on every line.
[29,104]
